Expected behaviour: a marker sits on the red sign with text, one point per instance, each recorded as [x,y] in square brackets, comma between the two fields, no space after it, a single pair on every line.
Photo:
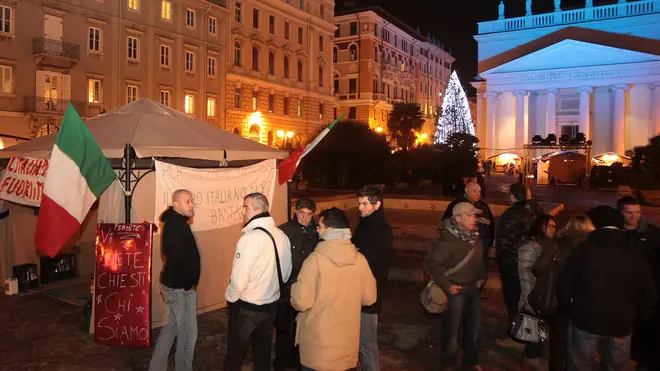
[122,285]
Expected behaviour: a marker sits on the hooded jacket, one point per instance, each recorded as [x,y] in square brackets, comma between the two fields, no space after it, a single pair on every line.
[374,239]
[334,283]
[182,267]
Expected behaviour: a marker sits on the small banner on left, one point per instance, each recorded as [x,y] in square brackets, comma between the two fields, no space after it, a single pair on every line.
[122,285]
[23,181]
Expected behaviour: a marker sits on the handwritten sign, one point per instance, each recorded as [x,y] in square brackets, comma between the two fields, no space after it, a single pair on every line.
[122,287]
[217,193]
[23,181]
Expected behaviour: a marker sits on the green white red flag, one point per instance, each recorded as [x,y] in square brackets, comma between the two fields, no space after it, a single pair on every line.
[288,166]
[77,175]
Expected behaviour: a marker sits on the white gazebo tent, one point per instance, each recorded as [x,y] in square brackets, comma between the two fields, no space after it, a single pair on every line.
[149,130]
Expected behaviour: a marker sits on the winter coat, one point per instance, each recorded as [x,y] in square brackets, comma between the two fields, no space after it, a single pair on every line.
[606,285]
[513,227]
[374,239]
[646,239]
[486,231]
[528,254]
[182,266]
[303,242]
[334,283]
[447,250]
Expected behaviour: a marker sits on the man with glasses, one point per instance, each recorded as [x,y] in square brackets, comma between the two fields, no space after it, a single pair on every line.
[302,232]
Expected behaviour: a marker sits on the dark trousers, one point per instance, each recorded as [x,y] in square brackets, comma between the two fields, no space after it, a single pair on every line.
[465,308]
[510,283]
[583,347]
[646,343]
[245,328]
[286,353]
[558,333]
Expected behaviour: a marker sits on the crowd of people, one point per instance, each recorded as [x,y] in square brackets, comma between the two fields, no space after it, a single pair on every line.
[594,282]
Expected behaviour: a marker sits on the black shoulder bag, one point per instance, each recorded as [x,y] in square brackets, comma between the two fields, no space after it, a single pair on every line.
[283,302]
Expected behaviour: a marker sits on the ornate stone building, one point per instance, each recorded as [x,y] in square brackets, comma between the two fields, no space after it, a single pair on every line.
[380,61]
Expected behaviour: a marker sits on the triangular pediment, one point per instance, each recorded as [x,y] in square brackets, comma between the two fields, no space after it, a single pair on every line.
[301,53]
[321,61]
[238,31]
[271,43]
[255,37]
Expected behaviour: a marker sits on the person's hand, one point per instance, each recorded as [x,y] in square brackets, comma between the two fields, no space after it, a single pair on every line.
[455,289]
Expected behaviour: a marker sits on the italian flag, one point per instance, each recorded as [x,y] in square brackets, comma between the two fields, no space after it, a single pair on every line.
[77,175]
[288,166]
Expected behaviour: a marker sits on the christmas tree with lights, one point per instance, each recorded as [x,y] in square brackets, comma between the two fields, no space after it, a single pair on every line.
[455,115]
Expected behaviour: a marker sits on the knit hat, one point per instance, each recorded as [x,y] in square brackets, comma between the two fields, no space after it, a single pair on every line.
[605,216]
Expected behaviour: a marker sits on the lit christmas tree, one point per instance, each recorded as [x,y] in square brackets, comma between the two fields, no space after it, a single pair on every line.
[455,115]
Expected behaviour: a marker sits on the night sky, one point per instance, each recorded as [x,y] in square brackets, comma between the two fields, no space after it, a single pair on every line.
[455,22]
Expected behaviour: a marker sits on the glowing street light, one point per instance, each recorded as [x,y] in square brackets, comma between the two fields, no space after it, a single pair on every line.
[280,134]
[379,129]
[425,136]
[289,134]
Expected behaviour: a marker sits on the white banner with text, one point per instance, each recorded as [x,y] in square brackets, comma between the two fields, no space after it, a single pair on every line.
[23,180]
[217,193]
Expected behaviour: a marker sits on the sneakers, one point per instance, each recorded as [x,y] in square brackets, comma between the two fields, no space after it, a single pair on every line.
[509,343]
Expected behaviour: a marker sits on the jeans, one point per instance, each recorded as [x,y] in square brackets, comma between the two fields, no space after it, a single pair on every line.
[180,323]
[247,327]
[558,333]
[286,352]
[510,283]
[583,346]
[464,307]
[369,355]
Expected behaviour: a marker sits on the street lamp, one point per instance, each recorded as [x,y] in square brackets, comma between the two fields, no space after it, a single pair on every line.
[280,134]
[289,134]
[379,129]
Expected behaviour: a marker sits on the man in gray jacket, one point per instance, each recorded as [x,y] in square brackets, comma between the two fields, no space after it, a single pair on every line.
[456,265]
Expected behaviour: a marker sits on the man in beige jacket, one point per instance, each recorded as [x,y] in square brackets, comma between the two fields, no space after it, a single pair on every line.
[335,282]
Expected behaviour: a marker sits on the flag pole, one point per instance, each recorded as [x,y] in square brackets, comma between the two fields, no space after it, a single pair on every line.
[127,184]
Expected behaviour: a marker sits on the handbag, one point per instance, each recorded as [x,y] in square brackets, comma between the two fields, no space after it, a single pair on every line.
[529,328]
[433,298]
[283,301]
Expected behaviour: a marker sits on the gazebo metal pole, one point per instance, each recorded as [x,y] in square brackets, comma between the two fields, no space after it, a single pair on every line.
[127,183]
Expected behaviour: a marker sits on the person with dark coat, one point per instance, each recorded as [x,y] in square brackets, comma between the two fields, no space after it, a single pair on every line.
[605,287]
[645,237]
[304,237]
[179,279]
[374,239]
[486,220]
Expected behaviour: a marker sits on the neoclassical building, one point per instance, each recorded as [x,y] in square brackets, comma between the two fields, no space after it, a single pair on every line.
[594,70]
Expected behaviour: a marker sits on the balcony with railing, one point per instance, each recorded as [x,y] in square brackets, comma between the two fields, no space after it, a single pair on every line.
[55,53]
[51,106]
[566,17]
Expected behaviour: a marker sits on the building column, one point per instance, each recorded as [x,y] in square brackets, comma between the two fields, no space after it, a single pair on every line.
[619,132]
[655,107]
[551,112]
[585,116]
[490,122]
[520,117]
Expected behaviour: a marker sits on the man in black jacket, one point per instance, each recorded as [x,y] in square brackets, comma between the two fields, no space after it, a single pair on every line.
[604,287]
[179,279]
[302,233]
[645,237]
[373,238]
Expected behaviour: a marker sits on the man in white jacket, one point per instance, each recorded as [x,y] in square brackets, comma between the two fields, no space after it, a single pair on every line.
[254,287]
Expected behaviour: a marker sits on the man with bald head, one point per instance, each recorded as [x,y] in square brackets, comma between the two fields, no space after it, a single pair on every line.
[178,284]
[485,222]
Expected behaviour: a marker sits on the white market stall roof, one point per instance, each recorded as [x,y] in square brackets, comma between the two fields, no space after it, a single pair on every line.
[155,130]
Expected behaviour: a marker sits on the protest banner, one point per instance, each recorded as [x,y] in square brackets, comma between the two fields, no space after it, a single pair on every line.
[217,193]
[23,180]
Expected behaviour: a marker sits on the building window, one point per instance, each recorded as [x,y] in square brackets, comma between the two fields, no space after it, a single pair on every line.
[6,80]
[210,107]
[301,5]
[165,97]
[300,71]
[166,9]
[321,43]
[337,30]
[352,86]
[286,30]
[255,58]
[286,67]
[336,86]
[94,40]
[165,56]
[5,19]
[190,62]
[255,100]
[352,113]
[376,29]
[255,18]
[570,130]
[94,91]
[271,103]
[321,109]
[353,52]
[320,76]
[131,93]
[211,69]
[286,106]
[353,28]
[189,104]
[213,22]
[300,35]
[133,4]
[237,53]
[133,48]
[271,24]
[271,63]
[238,11]
[237,97]
[299,107]
[322,11]
[190,18]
